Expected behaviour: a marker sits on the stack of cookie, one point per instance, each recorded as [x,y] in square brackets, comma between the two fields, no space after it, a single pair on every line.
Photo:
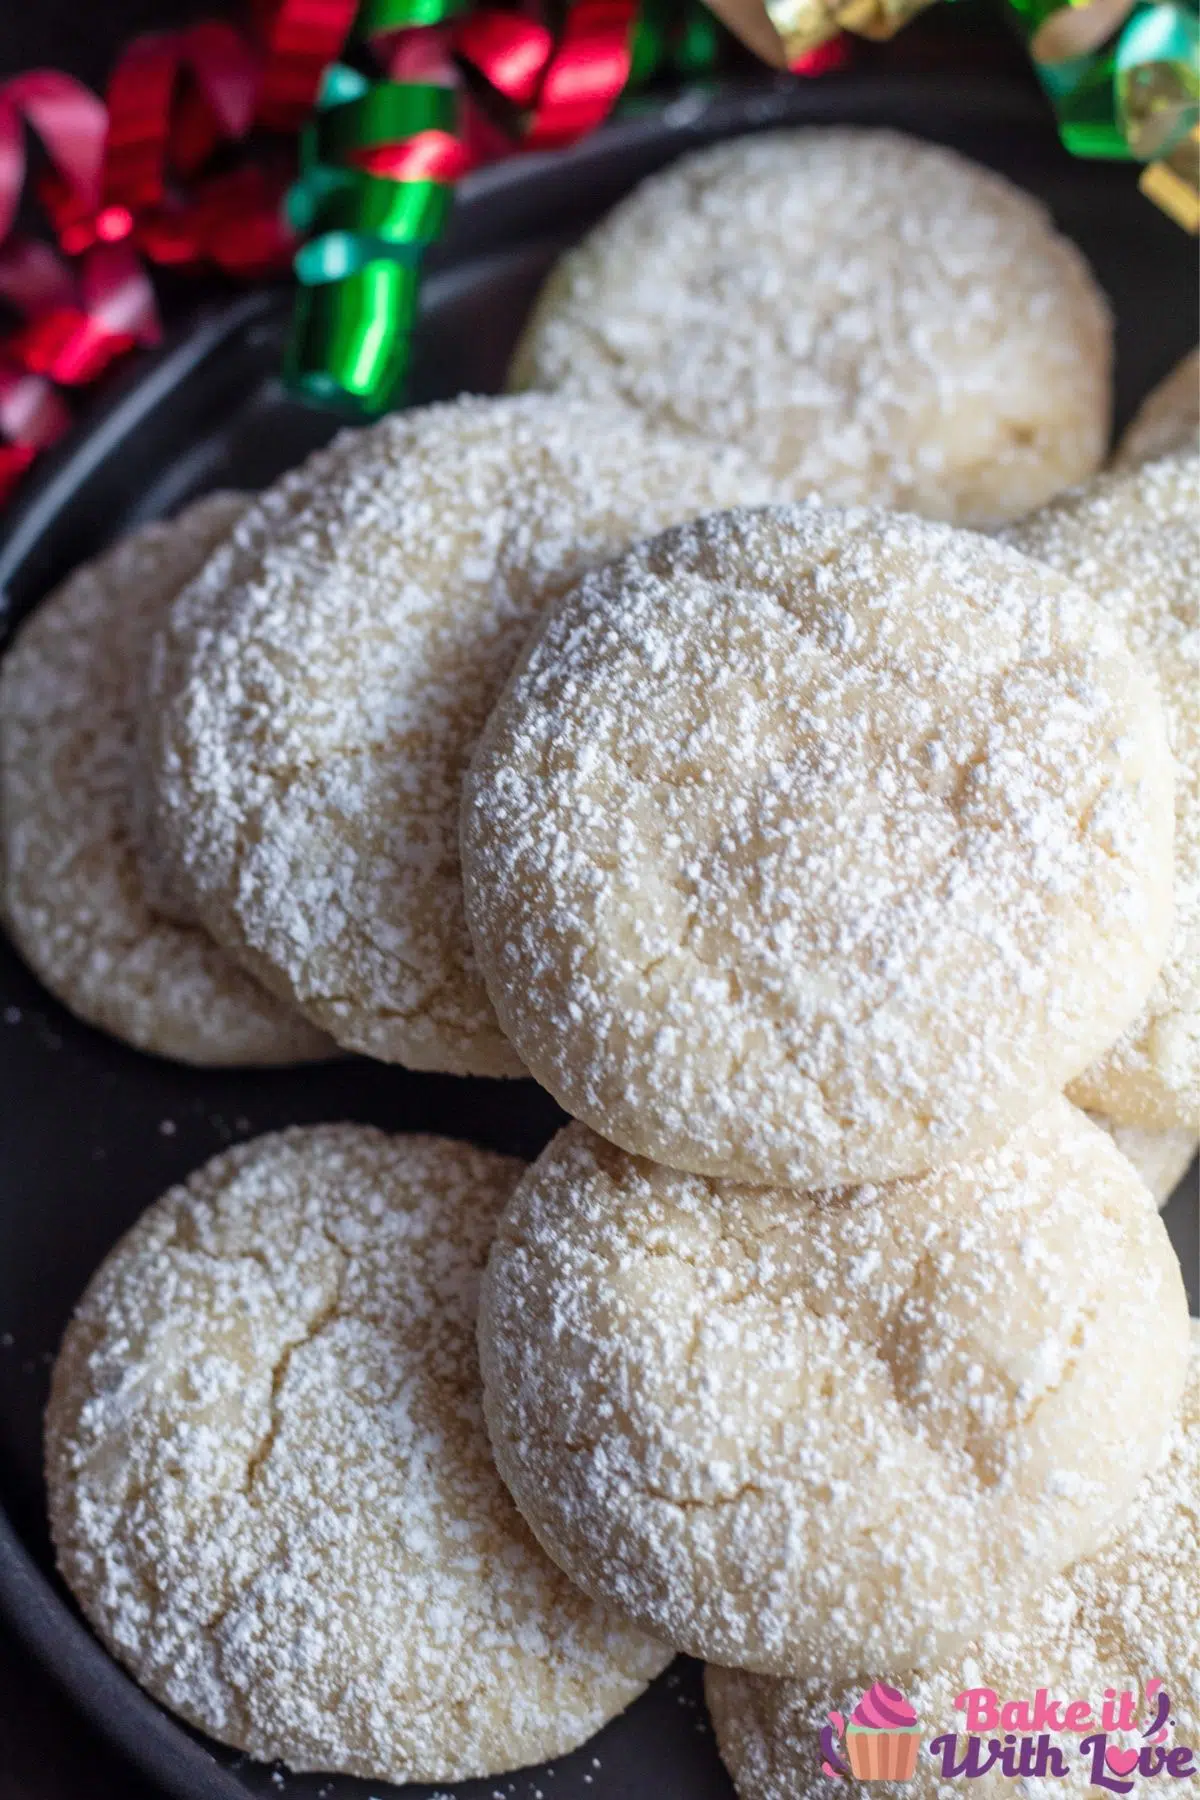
[805,851]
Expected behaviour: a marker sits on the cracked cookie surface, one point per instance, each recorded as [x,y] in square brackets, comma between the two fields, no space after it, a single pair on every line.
[873,318]
[1115,1620]
[1133,541]
[72,887]
[315,696]
[270,1484]
[815,846]
[838,1430]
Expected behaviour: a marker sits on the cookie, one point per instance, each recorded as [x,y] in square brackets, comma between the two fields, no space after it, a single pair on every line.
[836,1431]
[1115,1620]
[873,318]
[73,893]
[812,846]
[1134,542]
[318,691]
[270,1486]
[1161,1158]
[1167,420]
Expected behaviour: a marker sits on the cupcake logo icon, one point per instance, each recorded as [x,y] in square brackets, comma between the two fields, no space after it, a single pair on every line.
[882,1738]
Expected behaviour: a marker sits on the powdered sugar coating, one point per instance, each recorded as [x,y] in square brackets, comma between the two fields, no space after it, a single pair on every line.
[797,1432]
[318,691]
[1115,1620]
[1167,420]
[73,894]
[814,846]
[1133,541]
[872,317]
[1161,1158]
[270,1485]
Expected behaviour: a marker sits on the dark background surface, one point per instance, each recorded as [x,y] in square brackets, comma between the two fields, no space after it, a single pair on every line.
[46,1751]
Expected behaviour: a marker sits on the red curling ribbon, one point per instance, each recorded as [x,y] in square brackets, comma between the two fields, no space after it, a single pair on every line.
[14,460]
[509,51]
[425,54]
[586,75]
[426,156]
[833,54]
[483,139]
[33,277]
[299,38]
[147,129]
[76,326]
[233,219]
[71,123]
[239,222]
[219,101]
[32,417]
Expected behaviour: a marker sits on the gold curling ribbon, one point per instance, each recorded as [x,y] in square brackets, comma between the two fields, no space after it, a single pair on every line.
[1173,183]
[1076,30]
[780,31]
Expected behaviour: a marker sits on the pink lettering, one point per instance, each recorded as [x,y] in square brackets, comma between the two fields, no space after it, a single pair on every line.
[979,1704]
[1047,1713]
[1118,1712]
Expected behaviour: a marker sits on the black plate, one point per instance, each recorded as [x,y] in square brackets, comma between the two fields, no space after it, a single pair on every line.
[94,1131]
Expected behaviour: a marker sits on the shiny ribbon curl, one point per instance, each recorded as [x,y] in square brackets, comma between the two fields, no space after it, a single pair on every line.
[75,321]
[299,39]
[1124,79]
[421,128]
[32,414]
[798,34]
[130,178]
[72,125]
[150,131]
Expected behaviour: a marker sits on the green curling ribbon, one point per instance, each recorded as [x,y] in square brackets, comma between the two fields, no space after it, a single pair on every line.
[664,39]
[387,113]
[350,337]
[698,45]
[356,218]
[364,233]
[375,17]
[1124,79]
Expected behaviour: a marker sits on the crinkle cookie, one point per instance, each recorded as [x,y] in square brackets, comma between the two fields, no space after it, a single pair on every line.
[874,318]
[1167,420]
[1161,1158]
[814,846]
[828,1432]
[270,1485]
[316,695]
[72,889]
[1116,1620]
[1133,541]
